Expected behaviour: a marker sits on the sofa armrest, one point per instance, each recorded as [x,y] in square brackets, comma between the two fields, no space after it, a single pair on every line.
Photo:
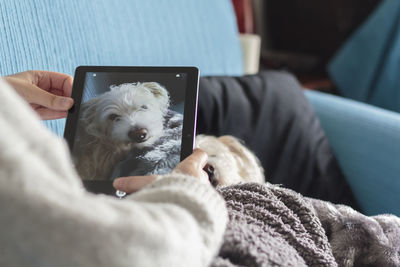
[366,141]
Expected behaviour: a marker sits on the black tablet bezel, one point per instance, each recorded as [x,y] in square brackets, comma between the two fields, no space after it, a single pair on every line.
[189,116]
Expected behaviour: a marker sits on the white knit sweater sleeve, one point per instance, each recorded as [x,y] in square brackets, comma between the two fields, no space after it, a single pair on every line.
[48,219]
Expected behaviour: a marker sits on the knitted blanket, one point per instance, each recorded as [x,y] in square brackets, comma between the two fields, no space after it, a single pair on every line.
[273,226]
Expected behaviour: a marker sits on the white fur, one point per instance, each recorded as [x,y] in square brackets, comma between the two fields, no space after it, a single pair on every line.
[105,122]
[232,162]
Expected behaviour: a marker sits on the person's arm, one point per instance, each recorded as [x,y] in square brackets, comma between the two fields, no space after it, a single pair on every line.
[48,219]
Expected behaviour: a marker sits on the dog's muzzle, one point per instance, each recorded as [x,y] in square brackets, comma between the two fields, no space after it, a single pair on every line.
[138,135]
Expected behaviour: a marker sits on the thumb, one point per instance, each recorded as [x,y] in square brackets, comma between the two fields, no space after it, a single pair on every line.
[35,95]
[199,158]
[132,183]
[193,165]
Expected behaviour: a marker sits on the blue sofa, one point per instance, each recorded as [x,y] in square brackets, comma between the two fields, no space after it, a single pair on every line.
[366,68]
[60,35]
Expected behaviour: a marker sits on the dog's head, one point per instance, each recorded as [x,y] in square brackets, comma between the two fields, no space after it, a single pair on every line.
[230,162]
[129,113]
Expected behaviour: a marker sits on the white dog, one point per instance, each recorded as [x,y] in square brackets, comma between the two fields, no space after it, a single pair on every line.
[229,161]
[129,116]
[159,158]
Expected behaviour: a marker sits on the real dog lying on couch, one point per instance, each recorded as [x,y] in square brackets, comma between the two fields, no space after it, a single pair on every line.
[230,161]
[271,225]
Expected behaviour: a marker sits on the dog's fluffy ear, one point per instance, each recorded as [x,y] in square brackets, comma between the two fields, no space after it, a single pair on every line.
[250,164]
[88,115]
[159,92]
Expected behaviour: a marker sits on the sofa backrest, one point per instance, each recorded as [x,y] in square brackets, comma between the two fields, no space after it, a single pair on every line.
[367,67]
[60,35]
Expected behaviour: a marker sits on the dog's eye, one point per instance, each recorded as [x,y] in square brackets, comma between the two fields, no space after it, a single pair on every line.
[144,107]
[114,117]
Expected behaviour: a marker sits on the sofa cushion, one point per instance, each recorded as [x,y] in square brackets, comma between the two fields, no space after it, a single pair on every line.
[60,35]
[270,113]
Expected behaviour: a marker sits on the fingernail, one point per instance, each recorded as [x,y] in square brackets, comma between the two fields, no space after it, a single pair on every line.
[67,102]
[118,183]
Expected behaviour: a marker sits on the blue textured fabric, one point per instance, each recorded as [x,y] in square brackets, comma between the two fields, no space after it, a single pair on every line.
[59,35]
[366,141]
[367,67]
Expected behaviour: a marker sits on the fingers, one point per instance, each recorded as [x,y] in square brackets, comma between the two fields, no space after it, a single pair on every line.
[51,81]
[36,95]
[197,160]
[133,183]
[54,82]
[194,164]
[27,87]
[58,87]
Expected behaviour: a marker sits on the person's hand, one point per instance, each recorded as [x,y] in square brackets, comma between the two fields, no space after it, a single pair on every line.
[47,92]
[192,165]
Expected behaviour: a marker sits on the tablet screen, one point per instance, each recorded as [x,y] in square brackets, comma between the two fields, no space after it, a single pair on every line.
[131,123]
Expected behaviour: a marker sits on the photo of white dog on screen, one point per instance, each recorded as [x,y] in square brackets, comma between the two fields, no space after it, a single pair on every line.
[126,131]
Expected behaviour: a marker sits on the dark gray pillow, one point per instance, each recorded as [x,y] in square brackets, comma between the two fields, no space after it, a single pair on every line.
[270,113]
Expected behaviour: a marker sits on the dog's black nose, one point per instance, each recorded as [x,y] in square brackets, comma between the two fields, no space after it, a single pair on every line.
[138,135]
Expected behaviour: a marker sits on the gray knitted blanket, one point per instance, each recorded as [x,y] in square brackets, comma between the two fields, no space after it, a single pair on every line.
[274,226]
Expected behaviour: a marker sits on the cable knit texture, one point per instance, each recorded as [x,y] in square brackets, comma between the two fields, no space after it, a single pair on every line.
[271,226]
[48,219]
[274,226]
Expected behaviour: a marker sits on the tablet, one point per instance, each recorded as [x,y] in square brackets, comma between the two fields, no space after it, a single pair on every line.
[129,121]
